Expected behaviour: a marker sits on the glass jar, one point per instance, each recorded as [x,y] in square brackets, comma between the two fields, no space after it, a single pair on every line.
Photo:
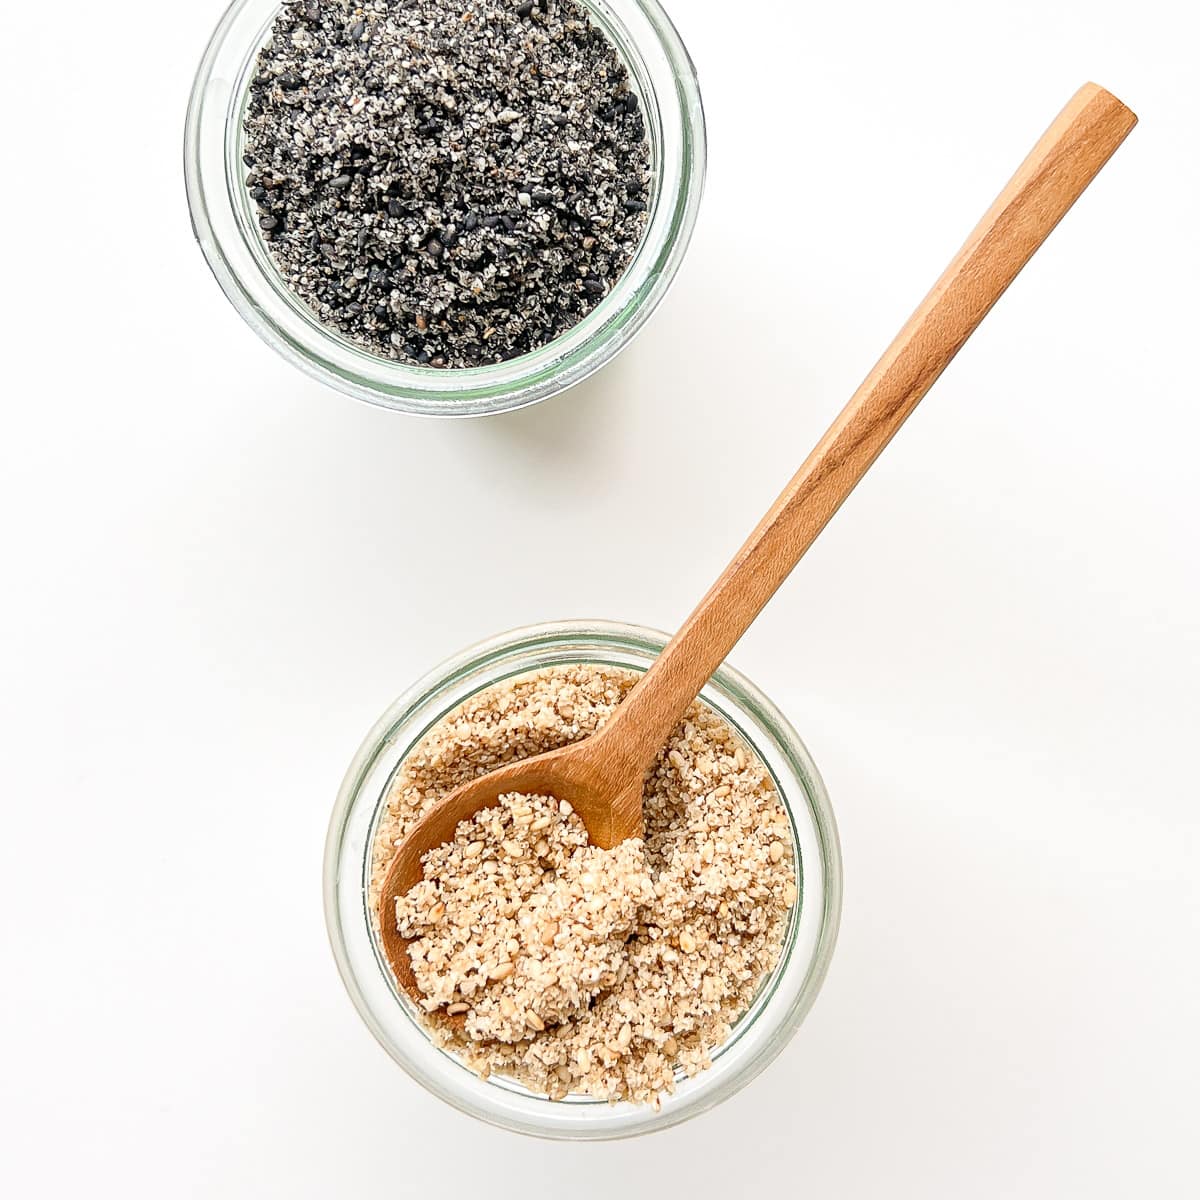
[784,997]
[226,226]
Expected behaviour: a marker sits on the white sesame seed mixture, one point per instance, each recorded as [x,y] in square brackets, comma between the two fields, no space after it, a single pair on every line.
[578,970]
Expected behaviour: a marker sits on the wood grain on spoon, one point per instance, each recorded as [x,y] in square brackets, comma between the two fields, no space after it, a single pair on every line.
[602,776]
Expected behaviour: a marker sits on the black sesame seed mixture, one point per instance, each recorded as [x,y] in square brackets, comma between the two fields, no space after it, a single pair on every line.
[446,182]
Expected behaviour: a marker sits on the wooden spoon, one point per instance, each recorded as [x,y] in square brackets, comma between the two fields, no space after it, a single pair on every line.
[602,776]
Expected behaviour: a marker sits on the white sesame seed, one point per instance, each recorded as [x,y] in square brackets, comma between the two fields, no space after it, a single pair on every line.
[605,945]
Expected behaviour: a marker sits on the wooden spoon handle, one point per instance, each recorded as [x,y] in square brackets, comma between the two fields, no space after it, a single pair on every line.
[1048,182]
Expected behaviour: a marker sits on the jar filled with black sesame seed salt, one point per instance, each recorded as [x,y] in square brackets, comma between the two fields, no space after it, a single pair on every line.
[524,689]
[445,209]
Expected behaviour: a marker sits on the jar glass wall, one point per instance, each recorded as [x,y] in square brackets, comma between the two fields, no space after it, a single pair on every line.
[784,997]
[226,226]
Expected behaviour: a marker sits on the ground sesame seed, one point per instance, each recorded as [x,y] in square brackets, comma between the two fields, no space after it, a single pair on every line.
[641,971]
[431,143]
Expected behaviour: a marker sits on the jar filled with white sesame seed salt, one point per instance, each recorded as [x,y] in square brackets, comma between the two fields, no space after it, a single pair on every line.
[780,999]
[227,225]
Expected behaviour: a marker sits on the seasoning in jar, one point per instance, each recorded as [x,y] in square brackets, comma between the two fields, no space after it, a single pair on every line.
[446,184]
[573,969]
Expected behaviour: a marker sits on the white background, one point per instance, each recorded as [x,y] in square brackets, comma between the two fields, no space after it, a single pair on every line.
[218,574]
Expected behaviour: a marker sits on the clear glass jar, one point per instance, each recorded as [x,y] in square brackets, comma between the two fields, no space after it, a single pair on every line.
[226,226]
[782,1001]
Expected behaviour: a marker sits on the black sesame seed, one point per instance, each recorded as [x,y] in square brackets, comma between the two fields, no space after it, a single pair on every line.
[436,166]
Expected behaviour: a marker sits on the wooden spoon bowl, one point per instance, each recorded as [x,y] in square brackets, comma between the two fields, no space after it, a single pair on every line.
[608,802]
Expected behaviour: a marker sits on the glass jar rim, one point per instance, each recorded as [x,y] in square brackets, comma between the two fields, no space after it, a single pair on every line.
[759,1035]
[223,222]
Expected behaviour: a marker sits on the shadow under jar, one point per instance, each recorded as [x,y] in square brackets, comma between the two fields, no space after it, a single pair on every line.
[784,995]
[226,226]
